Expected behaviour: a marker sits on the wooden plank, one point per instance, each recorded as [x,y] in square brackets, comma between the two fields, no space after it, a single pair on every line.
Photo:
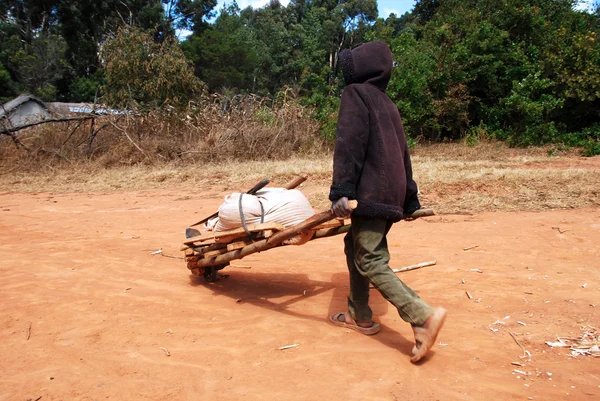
[213,254]
[208,248]
[230,238]
[238,245]
[189,252]
[193,257]
[268,233]
[232,233]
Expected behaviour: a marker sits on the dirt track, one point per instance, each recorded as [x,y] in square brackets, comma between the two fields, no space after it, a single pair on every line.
[78,269]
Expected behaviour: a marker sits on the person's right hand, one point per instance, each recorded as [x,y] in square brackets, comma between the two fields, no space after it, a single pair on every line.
[340,208]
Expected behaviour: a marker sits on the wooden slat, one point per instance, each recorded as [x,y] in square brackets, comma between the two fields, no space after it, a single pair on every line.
[268,233]
[208,248]
[213,236]
[229,238]
[238,245]
[213,254]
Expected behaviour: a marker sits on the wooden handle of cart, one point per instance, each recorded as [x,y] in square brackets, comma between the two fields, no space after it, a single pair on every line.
[420,213]
[296,182]
[273,241]
[330,232]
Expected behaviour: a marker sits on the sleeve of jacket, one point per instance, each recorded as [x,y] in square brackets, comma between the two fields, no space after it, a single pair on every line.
[411,201]
[350,145]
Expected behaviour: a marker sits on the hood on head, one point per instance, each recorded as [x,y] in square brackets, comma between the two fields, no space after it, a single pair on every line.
[368,63]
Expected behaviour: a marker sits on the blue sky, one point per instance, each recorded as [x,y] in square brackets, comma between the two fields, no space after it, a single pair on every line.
[398,7]
[385,6]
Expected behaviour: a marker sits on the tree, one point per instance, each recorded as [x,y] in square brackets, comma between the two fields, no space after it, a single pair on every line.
[40,65]
[189,14]
[143,74]
[225,54]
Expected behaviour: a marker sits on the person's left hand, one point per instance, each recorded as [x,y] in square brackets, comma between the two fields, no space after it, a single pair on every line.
[340,208]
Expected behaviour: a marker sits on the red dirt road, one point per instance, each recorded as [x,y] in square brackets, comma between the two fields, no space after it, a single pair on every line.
[78,269]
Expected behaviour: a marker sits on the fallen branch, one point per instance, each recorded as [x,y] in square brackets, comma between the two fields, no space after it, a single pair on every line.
[16,141]
[8,131]
[525,352]
[288,346]
[414,267]
[71,134]
[409,268]
[167,353]
[29,331]
[470,247]
[128,137]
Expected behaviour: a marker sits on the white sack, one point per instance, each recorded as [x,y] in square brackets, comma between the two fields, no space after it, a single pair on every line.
[286,207]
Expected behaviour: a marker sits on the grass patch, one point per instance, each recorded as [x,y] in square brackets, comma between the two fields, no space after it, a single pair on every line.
[452,178]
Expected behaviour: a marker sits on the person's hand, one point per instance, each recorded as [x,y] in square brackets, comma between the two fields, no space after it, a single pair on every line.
[340,208]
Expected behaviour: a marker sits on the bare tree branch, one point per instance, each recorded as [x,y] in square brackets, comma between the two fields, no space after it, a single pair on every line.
[128,137]
[8,131]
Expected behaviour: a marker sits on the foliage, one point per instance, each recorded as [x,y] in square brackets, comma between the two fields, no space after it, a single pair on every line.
[40,65]
[527,71]
[225,54]
[522,71]
[141,73]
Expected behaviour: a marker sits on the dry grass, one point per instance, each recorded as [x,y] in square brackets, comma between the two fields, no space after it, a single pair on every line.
[452,178]
[218,128]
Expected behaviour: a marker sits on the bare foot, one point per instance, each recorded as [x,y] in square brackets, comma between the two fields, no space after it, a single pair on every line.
[426,335]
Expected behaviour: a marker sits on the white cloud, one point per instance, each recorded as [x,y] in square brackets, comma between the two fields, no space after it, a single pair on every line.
[585,5]
[252,3]
[387,11]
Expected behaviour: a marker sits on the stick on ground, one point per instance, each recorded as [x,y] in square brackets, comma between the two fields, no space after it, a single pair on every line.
[518,343]
[288,346]
[411,267]
[414,267]
[29,331]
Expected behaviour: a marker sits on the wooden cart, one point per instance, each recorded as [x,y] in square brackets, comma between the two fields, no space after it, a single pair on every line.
[210,252]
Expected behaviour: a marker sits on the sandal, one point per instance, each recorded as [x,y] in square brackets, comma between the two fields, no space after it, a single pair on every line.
[349,323]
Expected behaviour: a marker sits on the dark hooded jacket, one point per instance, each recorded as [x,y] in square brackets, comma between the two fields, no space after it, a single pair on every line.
[371,162]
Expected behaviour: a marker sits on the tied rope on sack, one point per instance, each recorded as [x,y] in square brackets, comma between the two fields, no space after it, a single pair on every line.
[262,214]
[286,207]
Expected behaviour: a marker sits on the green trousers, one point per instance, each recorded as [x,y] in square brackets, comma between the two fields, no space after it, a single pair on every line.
[367,257]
